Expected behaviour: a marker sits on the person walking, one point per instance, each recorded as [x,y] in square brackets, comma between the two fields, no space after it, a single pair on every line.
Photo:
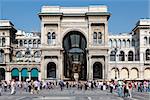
[13,86]
[111,87]
[5,86]
[61,84]
[0,87]
[67,84]
[119,90]
[130,89]
[36,84]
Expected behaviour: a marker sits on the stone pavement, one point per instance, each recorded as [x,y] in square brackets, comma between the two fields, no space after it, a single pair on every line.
[72,94]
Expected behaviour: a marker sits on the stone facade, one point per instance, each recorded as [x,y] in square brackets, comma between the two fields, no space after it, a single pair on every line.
[75,40]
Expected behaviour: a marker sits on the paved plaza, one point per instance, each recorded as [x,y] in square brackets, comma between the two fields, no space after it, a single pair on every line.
[72,94]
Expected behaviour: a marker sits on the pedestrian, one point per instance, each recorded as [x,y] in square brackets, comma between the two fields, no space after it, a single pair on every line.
[36,84]
[25,85]
[32,87]
[0,87]
[85,85]
[119,90]
[61,84]
[130,89]
[111,87]
[13,86]
[5,86]
[67,84]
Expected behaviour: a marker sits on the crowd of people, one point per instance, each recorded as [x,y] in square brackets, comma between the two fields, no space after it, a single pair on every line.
[123,88]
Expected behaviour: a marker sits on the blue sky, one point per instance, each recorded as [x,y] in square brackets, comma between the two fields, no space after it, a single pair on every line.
[125,13]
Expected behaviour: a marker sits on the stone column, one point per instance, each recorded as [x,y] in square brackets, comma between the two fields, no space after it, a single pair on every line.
[61,74]
[87,57]
[43,41]
[59,36]
[19,75]
[106,34]
[29,72]
[8,76]
[106,67]
[36,45]
[58,69]
[39,77]
[89,40]
[103,69]
[90,69]
[43,69]
[18,43]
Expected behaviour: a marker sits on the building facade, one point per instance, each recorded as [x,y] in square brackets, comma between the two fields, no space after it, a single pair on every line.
[75,42]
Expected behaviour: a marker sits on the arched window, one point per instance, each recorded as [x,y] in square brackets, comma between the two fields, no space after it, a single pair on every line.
[30,43]
[121,56]
[119,43]
[34,43]
[25,43]
[97,70]
[110,43]
[51,70]
[3,41]
[27,53]
[39,42]
[37,54]
[148,54]
[113,56]
[1,56]
[130,56]
[115,43]
[21,43]
[133,42]
[95,38]
[99,37]
[18,54]
[51,38]
[53,35]
[124,43]
[128,43]
[145,40]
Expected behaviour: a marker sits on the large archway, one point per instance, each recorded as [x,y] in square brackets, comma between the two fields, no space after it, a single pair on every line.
[74,44]
[34,74]
[15,74]
[134,73]
[2,74]
[24,74]
[51,70]
[124,74]
[114,73]
[97,71]
[147,73]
